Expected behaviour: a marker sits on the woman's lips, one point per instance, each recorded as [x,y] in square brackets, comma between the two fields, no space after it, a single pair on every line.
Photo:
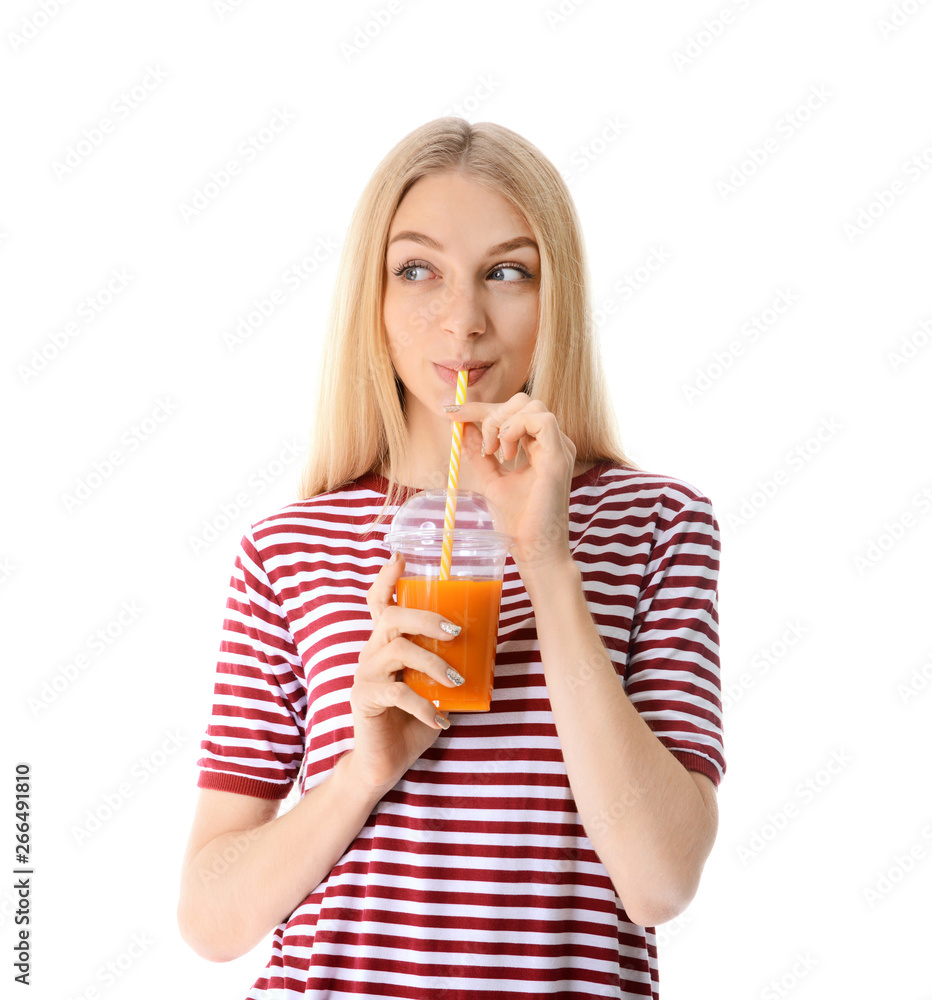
[450,375]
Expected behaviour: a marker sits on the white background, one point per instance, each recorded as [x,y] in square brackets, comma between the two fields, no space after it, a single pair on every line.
[811,438]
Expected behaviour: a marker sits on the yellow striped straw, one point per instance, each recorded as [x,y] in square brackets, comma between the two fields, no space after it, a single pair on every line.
[449,516]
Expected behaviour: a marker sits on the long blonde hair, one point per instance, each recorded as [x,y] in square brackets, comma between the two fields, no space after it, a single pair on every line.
[359,421]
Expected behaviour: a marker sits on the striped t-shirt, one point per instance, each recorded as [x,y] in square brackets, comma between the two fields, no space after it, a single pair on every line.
[473,876]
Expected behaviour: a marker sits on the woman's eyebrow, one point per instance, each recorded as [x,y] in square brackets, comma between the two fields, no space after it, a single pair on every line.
[508,245]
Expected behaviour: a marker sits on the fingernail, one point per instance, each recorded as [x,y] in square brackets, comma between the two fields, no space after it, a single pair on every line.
[482,450]
[455,676]
[453,409]
[441,721]
[450,628]
[393,559]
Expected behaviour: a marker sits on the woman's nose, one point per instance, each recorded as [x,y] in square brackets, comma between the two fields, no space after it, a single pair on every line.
[461,311]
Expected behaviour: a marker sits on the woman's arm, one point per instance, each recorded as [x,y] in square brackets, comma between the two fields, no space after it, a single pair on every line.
[246,870]
[652,822]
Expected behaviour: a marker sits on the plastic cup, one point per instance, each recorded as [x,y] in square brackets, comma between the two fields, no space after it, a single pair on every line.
[470,598]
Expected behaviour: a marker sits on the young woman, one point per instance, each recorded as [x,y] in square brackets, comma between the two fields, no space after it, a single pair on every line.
[529,850]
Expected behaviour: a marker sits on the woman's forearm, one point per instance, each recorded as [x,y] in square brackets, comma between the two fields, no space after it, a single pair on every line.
[243,883]
[640,808]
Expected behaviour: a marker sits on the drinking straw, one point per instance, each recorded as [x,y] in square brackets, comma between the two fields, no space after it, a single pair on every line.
[453,479]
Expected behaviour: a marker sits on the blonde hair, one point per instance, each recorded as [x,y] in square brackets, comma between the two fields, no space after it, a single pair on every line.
[359,421]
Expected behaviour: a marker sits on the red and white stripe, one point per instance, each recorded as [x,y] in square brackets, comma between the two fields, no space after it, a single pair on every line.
[473,874]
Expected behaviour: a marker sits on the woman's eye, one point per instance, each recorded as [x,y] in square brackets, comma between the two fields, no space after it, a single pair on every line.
[514,270]
[417,271]
[411,273]
[405,270]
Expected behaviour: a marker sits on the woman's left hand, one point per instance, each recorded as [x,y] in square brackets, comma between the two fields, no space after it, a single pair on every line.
[535,498]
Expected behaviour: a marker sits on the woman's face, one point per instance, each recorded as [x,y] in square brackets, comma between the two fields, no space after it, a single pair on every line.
[462,287]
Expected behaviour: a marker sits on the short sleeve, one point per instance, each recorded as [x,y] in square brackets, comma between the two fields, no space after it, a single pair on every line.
[673,674]
[255,740]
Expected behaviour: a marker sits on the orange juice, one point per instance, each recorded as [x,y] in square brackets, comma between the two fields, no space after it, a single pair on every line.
[473,604]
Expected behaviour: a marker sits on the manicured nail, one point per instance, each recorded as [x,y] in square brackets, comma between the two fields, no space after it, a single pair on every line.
[441,721]
[455,676]
[450,628]
[453,409]
[393,559]
[482,450]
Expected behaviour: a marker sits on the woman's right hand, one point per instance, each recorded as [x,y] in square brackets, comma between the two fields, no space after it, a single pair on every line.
[392,724]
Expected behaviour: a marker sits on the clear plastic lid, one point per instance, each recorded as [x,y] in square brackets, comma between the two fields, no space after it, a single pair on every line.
[477,522]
